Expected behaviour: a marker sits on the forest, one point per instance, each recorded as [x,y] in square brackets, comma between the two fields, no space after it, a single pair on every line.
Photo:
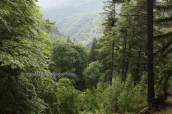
[75,18]
[127,69]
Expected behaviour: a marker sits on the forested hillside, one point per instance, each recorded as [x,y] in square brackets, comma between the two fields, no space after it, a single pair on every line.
[76,18]
[127,70]
[51,3]
[71,8]
[54,34]
[82,27]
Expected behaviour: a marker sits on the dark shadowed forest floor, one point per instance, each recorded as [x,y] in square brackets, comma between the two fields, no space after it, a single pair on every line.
[165,108]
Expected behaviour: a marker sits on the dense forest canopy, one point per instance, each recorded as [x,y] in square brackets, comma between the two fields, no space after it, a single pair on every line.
[127,68]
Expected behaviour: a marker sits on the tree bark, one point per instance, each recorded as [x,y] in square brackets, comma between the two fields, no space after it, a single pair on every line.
[151,93]
[112,55]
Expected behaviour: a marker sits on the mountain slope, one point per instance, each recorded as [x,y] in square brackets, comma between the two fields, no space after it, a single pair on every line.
[76,18]
[71,8]
[50,3]
[81,27]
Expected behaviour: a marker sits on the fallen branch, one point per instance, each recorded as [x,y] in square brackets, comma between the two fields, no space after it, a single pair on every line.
[141,109]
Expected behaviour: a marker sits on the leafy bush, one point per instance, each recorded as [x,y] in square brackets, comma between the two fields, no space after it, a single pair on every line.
[92,74]
[89,100]
[125,96]
[67,98]
[19,96]
[131,99]
[111,95]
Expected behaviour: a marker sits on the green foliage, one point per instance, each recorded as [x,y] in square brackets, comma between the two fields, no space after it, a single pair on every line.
[81,27]
[46,89]
[70,58]
[92,74]
[65,57]
[19,42]
[56,37]
[23,47]
[163,47]
[19,95]
[122,52]
[54,34]
[93,52]
[124,97]
[79,24]
[111,95]
[89,100]
[132,97]
[58,98]
[67,98]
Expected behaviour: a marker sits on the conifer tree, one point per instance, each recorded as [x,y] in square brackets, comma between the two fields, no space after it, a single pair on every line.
[93,52]
[163,38]
[109,25]
[68,40]
[151,54]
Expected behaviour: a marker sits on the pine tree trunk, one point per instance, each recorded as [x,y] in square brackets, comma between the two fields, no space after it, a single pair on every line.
[151,93]
[112,53]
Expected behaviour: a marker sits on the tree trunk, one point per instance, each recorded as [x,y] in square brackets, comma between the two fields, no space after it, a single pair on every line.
[112,53]
[151,93]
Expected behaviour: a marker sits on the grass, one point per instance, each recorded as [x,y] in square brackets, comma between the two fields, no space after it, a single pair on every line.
[167,111]
[85,112]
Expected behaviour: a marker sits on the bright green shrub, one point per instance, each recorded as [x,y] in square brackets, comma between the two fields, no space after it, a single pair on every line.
[92,73]
[89,100]
[130,99]
[111,96]
[125,96]
[67,98]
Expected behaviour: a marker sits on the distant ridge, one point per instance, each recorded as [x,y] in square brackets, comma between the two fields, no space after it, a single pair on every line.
[51,3]
[76,18]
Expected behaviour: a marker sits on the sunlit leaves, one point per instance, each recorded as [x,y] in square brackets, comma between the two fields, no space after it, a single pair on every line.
[23,47]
